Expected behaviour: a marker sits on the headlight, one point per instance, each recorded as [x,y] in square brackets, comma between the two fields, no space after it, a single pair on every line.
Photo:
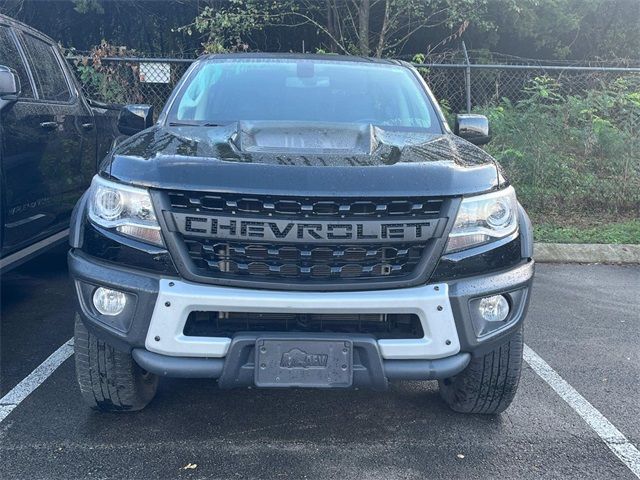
[483,219]
[128,210]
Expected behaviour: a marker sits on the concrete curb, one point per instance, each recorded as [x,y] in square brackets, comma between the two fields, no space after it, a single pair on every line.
[585,253]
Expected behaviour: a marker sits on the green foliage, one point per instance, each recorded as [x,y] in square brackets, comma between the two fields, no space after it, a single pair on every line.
[395,22]
[542,91]
[376,28]
[448,112]
[563,29]
[575,156]
[88,6]
[99,85]
[108,82]
[227,27]
[421,58]
[551,29]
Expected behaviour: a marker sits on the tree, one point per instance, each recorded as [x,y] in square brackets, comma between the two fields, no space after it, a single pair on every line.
[83,24]
[563,29]
[548,29]
[225,26]
[365,27]
[384,27]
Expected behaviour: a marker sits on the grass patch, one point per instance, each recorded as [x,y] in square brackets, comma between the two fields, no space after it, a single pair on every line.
[620,232]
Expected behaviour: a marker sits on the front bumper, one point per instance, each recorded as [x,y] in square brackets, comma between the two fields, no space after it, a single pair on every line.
[151,327]
[176,299]
[237,368]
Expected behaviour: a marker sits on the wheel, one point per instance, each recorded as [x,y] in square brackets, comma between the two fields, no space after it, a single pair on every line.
[489,383]
[110,380]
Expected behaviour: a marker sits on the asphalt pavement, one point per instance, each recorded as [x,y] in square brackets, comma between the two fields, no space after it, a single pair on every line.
[584,321]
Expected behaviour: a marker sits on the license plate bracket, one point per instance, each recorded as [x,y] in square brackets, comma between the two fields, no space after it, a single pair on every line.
[308,363]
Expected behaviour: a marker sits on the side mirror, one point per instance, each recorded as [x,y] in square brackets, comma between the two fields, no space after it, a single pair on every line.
[9,86]
[135,118]
[473,128]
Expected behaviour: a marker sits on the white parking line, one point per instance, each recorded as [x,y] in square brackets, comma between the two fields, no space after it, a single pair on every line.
[614,439]
[32,381]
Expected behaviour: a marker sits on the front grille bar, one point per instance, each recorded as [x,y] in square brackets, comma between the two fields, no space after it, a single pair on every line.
[305,207]
[334,261]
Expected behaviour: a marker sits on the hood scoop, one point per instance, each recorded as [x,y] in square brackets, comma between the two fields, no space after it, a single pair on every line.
[305,138]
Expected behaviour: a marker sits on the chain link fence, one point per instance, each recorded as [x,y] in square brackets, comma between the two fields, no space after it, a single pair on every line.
[122,80]
[126,80]
[568,137]
[490,84]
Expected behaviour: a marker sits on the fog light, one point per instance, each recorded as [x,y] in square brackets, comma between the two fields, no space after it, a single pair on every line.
[494,308]
[109,302]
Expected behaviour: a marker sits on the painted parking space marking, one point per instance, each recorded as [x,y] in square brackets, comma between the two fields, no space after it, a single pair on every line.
[32,381]
[610,435]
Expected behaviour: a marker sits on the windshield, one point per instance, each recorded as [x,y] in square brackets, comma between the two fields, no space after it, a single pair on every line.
[226,90]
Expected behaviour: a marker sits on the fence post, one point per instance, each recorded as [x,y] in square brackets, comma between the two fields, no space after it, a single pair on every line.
[467,77]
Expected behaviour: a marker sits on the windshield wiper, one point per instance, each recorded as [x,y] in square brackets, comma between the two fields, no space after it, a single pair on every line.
[184,124]
[195,124]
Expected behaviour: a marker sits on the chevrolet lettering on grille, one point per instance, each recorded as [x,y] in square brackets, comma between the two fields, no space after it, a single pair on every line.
[307,231]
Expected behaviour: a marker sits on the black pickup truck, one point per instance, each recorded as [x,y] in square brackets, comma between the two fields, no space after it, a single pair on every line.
[51,141]
[301,221]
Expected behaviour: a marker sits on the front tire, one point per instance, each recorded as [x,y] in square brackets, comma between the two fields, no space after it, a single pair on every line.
[489,382]
[110,380]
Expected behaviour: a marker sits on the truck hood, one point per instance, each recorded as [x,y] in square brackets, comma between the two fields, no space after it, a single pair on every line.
[302,159]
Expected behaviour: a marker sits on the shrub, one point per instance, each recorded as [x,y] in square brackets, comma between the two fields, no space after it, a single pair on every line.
[108,82]
[574,155]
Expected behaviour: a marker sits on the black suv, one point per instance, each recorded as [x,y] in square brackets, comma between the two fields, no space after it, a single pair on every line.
[301,221]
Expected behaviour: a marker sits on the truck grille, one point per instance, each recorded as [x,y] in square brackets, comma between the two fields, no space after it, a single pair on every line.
[300,262]
[305,207]
[321,262]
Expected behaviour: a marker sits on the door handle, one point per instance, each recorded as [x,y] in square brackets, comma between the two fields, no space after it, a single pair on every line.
[87,126]
[49,125]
